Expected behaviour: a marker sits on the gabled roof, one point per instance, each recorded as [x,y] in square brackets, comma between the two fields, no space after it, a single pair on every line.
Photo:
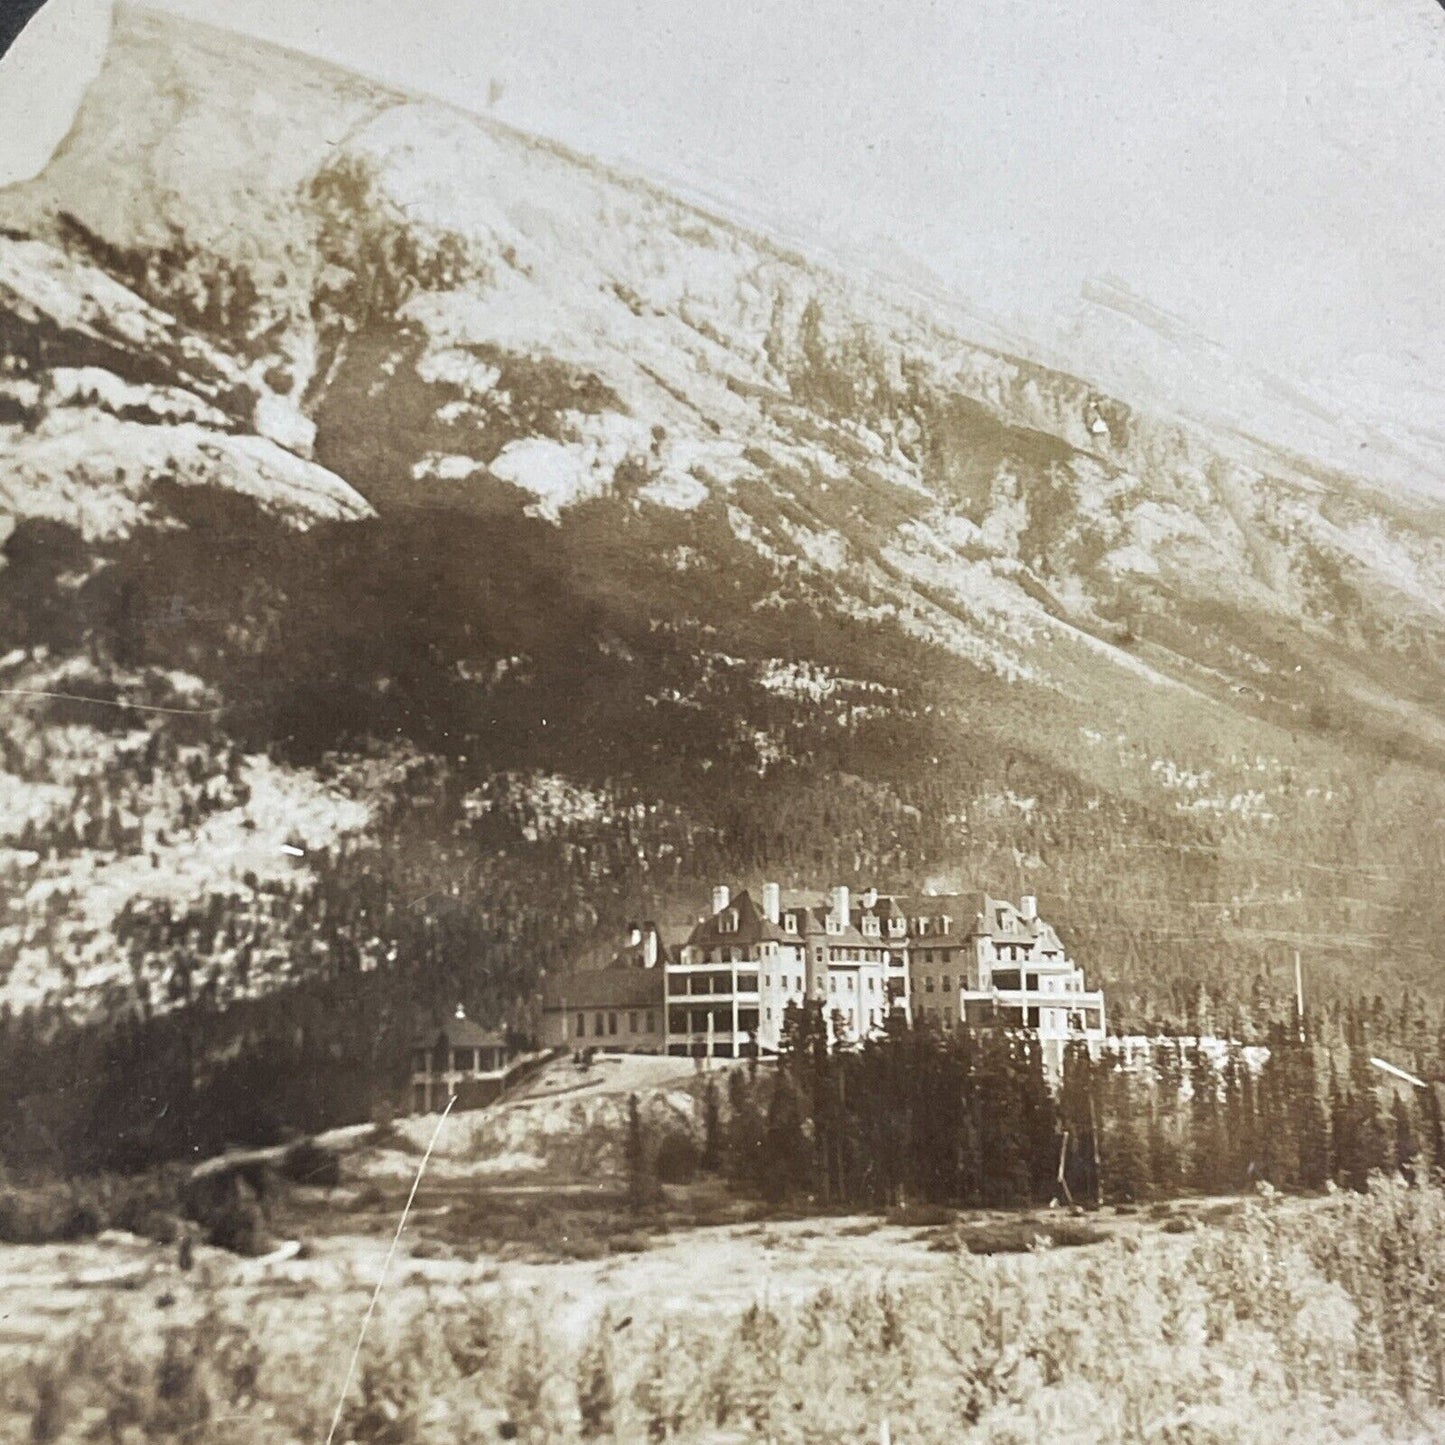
[961,908]
[1003,922]
[634,955]
[460,1033]
[591,988]
[818,918]
[753,926]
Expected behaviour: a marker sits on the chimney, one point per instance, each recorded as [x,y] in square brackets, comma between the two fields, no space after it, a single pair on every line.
[651,945]
[841,908]
[772,901]
[1028,908]
[634,934]
[721,897]
[870,898]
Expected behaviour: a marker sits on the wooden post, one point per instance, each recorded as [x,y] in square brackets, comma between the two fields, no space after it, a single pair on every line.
[1063,1183]
[1299,996]
[1094,1132]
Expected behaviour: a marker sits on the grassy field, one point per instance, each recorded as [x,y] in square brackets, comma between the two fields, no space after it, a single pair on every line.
[1260,1321]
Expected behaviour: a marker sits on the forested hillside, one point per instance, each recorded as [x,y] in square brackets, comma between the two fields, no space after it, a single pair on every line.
[431,551]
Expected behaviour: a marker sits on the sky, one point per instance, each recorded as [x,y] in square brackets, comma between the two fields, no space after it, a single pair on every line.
[1269,170]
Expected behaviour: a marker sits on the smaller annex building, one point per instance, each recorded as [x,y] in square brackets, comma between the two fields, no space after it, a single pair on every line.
[619,1008]
[461,1058]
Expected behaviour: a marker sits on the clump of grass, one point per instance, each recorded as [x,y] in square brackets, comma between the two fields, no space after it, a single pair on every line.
[633,1242]
[919,1216]
[1017,1236]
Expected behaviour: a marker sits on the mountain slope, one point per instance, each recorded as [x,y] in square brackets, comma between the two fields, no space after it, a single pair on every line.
[634,550]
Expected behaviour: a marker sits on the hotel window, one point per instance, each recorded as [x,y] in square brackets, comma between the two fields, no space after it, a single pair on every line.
[581,1025]
[632,1023]
[928,984]
[611,1023]
[599,1025]
[651,1022]
[946,982]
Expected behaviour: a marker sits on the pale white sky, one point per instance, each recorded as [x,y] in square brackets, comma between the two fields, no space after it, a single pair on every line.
[1270,169]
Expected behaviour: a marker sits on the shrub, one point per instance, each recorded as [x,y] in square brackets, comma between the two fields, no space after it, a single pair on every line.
[1018,1236]
[677,1158]
[582,1247]
[629,1243]
[240,1226]
[306,1162]
[47,1214]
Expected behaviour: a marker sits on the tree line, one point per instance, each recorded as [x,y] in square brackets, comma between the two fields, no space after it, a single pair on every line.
[968,1120]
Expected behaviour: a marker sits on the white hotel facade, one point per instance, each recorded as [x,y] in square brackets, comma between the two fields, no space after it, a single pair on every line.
[944,961]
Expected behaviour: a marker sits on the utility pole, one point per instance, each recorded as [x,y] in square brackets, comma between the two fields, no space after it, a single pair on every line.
[1299,996]
[1094,1136]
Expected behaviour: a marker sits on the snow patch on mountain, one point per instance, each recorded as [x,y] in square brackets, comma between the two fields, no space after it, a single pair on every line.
[97,471]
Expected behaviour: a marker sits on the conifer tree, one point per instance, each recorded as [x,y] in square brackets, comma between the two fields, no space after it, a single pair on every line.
[1436,1127]
[1207,1168]
[641,1187]
[1166,1153]
[1124,1151]
[1404,1146]
[745,1147]
[1003,1142]
[785,1163]
[1311,1125]
[711,1128]
[1078,1117]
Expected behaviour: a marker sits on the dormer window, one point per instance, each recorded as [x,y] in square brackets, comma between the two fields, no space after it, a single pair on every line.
[870,924]
[728,923]
[790,923]
[897,925]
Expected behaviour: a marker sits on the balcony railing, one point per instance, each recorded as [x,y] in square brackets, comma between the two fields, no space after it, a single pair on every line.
[1024,1008]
